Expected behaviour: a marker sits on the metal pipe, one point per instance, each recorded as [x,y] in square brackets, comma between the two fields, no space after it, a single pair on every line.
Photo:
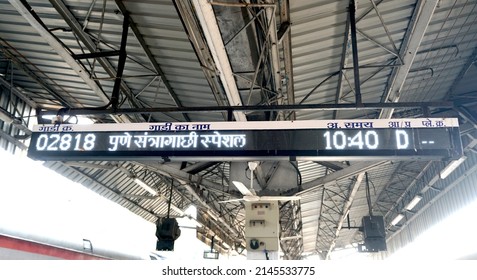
[236,109]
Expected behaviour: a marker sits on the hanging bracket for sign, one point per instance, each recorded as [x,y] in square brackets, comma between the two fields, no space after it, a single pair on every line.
[429,138]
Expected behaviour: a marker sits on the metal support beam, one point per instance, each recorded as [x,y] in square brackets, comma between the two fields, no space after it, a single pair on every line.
[380,45]
[14,57]
[187,179]
[344,57]
[350,171]
[121,63]
[85,38]
[206,16]
[17,92]
[291,235]
[198,167]
[287,55]
[275,60]
[470,61]
[375,6]
[242,5]
[354,46]
[417,28]
[269,175]
[252,20]
[194,32]
[96,55]
[30,16]
[188,184]
[7,117]
[335,165]
[151,57]
[13,140]
[343,66]
[345,210]
[260,176]
[26,12]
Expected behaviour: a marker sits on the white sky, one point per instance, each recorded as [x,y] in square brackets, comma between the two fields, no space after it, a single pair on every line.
[40,204]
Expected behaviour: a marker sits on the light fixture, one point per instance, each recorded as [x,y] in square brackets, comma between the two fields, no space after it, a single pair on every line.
[145,186]
[413,202]
[397,219]
[451,167]
[211,255]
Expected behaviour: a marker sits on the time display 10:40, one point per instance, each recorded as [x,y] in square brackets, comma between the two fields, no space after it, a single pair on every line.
[366,139]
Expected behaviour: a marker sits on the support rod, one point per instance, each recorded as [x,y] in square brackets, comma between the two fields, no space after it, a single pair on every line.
[354,46]
[121,63]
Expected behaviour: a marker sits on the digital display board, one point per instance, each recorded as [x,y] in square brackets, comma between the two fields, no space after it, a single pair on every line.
[436,138]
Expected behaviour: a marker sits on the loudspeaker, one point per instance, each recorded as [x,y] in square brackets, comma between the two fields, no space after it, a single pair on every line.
[374,234]
[373,227]
[168,229]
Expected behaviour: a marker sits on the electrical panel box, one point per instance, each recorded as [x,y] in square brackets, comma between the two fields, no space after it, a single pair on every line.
[262,227]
